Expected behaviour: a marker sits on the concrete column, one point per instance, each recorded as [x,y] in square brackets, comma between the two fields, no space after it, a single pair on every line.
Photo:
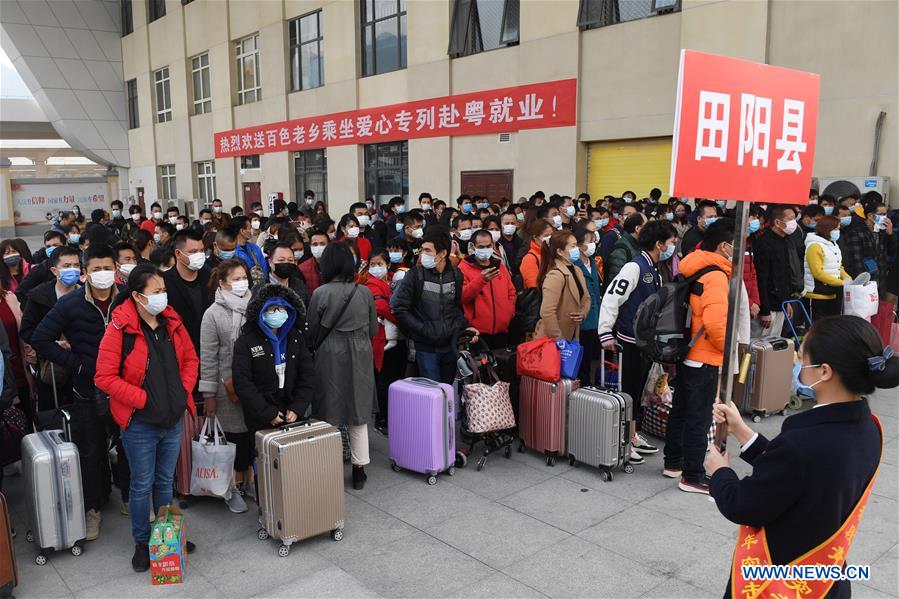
[7,211]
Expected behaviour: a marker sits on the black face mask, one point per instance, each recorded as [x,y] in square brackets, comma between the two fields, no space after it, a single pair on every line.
[283,270]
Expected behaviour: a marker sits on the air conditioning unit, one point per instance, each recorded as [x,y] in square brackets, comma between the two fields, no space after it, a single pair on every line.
[840,187]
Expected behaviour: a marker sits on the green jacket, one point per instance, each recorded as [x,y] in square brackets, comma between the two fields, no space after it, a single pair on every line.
[624,250]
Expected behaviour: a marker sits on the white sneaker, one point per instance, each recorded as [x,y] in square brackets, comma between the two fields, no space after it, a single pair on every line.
[640,444]
[92,525]
[125,510]
[236,503]
[635,458]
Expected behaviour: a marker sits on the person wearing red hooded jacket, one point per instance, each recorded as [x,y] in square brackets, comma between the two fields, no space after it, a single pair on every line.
[488,294]
[145,342]
[388,347]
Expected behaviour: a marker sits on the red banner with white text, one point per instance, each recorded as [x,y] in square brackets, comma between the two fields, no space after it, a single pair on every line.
[536,106]
[743,130]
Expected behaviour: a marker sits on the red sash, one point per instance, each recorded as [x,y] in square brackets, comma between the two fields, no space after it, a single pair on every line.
[752,550]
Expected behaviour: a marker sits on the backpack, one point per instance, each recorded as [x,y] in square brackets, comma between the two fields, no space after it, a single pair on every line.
[663,320]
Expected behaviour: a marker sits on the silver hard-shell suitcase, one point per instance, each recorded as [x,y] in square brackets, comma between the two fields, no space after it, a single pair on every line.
[300,482]
[599,427]
[52,474]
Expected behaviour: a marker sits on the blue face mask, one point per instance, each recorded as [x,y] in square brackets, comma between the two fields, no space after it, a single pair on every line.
[116,213]
[49,250]
[69,276]
[799,387]
[845,221]
[574,254]
[753,226]
[227,254]
[275,319]
[667,252]
[669,216]
[602,223]
[710,220]
[74,238]
[466,208]
[828,210]
[396,257]
[399,227]
[878,220]
[401,208]
[835,235]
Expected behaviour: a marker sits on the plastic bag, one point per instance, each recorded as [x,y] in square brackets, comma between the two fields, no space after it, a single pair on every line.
[657,390]
[861,300]
[213,461]
[570,353]
[539,359]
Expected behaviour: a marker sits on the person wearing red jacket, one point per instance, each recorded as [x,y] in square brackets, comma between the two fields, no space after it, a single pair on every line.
[389,347]
[318,241]
[488,295]
[144,344]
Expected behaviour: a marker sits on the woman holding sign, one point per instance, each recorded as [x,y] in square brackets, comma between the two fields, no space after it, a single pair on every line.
[804,500]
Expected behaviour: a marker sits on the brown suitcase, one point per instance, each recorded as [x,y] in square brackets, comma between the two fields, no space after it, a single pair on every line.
[543,416]
[300,481]
[768,382]
[9,574]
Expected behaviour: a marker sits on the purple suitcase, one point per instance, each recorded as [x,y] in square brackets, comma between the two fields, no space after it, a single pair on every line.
[421,427]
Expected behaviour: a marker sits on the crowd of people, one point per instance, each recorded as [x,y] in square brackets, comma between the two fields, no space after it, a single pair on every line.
[271,318]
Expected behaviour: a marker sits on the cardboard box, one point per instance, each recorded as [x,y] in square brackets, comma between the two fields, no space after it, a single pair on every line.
[167,541]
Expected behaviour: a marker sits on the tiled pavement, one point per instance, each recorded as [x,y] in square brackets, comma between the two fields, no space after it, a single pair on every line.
[516,529]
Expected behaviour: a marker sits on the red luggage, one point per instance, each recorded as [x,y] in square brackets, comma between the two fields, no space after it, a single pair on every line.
[543,414]
[190,429]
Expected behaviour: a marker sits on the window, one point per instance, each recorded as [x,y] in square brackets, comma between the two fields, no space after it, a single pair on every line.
[599,13]
[249,88]
[387,170]
[481,25]
[127,17]
[206,181]
[307,69]
[155,9]
[199,66]
[167,182]
[383,36]
[163,95]
[250,161]
[133,118]
[311,172]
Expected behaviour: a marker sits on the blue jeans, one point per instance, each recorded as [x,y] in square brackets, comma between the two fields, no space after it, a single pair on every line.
[437,366]
[689,420]
[152,453]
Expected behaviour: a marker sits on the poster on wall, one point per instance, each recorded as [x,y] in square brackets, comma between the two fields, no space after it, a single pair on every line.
[35,202]
[534,106]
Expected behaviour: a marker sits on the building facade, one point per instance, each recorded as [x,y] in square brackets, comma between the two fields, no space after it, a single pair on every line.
[196,67]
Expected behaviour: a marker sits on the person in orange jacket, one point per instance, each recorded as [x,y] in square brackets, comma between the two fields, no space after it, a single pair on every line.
[696,384]
[529,268]
[488,295]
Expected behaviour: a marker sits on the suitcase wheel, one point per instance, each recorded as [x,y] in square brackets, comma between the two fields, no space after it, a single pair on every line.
[337,534]
[262,534]
[481,462]
[551,460]
[284,550]
[394,467]
[432,479]
[629,468]
[507,452]
[41,559]
[756,418]
[29,536]
[571,460]
[606,475]
[521,447]
[77,550]
[461,459]
[795,402]
[451,471]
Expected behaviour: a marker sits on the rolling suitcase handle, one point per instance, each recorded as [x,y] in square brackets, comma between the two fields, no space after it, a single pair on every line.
[602,369]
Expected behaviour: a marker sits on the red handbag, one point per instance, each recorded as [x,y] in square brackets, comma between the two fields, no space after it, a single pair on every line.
[540,359]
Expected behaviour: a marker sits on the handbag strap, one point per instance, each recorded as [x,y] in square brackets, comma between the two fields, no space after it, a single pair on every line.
[346,302]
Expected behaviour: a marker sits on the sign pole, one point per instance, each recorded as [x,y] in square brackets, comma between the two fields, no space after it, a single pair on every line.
[735,291]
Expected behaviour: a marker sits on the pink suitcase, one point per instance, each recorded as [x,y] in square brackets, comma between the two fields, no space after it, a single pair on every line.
[543,416]
[421,427]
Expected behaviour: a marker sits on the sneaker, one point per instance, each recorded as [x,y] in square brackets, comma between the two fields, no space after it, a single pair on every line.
[640,444]
[672,472]
[635,458]
[125,510]
[92,525]
[140,561]
[236,503]
[248,489]
[701,486]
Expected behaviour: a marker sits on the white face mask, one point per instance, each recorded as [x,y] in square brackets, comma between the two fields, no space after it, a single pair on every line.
[157,237]
[520,217]
[557,221]
[495,235]
[364,220]
[179,227]
[465,234]
[173,220]
[570,210]
[102,279]
[135,217]
[239,288]
[379,272]
[353,232]
[195,261]
[127,268]
[157,215]
[591,249]
[317,251]
[417,233]
[509,230]
[205,222]
[255,224]
[545,239]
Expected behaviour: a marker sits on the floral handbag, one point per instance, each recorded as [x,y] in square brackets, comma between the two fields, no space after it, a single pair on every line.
[487,403]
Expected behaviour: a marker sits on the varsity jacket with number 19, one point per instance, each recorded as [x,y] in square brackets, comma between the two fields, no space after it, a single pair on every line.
[637,280]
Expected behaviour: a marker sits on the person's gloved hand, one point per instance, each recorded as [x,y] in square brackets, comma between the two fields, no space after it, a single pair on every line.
[862,279]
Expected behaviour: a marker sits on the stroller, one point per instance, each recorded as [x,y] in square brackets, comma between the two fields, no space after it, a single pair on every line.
[476,365]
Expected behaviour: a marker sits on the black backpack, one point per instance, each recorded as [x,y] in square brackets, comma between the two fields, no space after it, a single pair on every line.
[663,320]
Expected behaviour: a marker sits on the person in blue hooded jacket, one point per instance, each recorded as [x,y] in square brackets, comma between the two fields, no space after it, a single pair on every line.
[272,368]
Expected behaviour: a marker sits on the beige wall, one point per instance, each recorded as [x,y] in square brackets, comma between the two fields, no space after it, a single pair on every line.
[627,83]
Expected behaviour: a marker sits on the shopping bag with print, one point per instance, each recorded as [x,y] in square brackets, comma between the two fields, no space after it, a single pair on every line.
[213,461]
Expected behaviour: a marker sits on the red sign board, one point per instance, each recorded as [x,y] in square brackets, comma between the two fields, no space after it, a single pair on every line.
[550,104]
[743,130]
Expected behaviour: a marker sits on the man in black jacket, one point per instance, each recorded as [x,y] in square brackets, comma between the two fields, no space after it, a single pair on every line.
[40,272]
[706,214]
[428,306]
[69,335]
[778,269]
[187,284]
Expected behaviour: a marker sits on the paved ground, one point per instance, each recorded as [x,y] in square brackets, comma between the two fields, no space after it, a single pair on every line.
[517,529]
